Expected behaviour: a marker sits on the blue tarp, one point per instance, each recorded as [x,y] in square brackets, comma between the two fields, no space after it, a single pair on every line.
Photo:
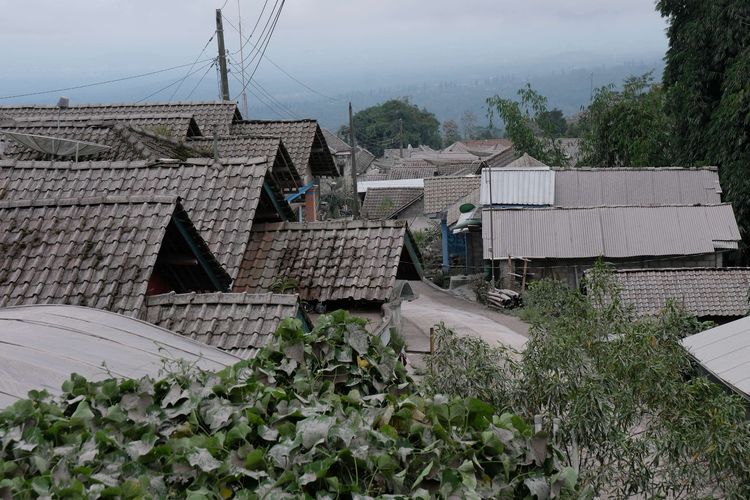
[304,189]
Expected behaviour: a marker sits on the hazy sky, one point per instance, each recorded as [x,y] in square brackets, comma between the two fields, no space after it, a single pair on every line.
[322,42]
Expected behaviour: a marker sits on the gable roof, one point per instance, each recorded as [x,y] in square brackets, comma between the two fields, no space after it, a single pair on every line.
[303,139]
[335,143]
[239,323]
[588,187]
[703,292]
[525,161]
[240,146]
[724,352]
[222,198]
[615,232]
[335,260]
[441,192]
[385,203]
[211,116]
[44,344]
[125,141]
[99,252]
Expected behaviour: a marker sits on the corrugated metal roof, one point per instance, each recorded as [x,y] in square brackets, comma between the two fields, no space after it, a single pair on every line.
[614,232]
[363,186]
[44,344]
[239,323]
[528,186]
[588,187]
[334,260]
[725,352]
[702,291]
[441,192]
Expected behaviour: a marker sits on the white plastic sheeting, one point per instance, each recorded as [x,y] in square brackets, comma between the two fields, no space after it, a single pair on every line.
[56,146]
[363,186]
[42,345]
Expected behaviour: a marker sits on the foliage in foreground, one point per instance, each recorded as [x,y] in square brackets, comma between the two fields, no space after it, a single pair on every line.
[327,414]
[618,394]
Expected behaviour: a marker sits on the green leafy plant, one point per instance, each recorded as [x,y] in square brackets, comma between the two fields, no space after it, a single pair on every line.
[284,285]
[325,414]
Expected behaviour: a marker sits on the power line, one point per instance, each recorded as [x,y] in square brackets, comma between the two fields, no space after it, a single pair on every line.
[174,92]
[104,82]
[201,80]
[170,85]
[263,101]
[263,90]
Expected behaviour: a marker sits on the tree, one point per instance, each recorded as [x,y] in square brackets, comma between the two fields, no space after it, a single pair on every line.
[451,133]
[378,127]
[555,121]
[469,122]
[529,125]
[628,128]
[619,394]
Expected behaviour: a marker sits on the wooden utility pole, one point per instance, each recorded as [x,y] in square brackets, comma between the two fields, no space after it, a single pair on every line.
[353,153]
[222,57]
[401,136]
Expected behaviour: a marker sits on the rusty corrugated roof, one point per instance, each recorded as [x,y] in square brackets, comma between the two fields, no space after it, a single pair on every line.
[239,323]
[609,231]
[335,260]
[702,291]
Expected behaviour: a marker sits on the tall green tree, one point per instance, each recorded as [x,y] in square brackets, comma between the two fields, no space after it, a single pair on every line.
[528,125]
[706,84]
[378,127]
[628,127]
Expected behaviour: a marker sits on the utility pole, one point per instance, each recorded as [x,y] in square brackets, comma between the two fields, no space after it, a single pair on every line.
[401,137]
[242,65]
[353,154]
[222,57]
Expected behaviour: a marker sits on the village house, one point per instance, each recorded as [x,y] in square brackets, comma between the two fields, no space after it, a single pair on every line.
[396,204]
[106,252]
[718,294]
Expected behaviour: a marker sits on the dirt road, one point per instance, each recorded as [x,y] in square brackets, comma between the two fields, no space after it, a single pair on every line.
[467,318]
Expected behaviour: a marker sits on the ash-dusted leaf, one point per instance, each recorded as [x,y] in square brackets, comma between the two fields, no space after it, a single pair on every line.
[135,405]
[202,459]
[83,413]
[268,433]
[217,412]
[295,351]
[538,487]
[422,475]
[307,478]
[136,449]
[539,447]
[280,453]
[358,338]
[105,479]
[314,429]
[174,395]
[87,452]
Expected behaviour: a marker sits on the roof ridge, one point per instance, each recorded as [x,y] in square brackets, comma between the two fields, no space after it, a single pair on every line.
[174,298]
[674,205]
[631,169]
[92,200]
[680,269]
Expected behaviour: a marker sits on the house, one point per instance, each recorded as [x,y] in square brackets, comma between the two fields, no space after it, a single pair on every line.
[342,152]
[44,344]
[224,199]
[550,216]
[309,151]
[439,194]
[103,252]
[238,323]
[723,352]
[709,293]
[562,243]
[118,140]
[397,204]
[354,265]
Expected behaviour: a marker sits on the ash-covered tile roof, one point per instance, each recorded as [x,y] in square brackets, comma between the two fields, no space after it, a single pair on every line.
[328,261]
[97,252]
[239,323]
[222,199]
[412,172]
[441,192]
[385,203]
[703,292]
[335,143]
[125,141]
[211,117]
[303,139]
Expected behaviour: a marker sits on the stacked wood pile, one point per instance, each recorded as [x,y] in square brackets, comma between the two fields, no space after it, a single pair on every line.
[503,298]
